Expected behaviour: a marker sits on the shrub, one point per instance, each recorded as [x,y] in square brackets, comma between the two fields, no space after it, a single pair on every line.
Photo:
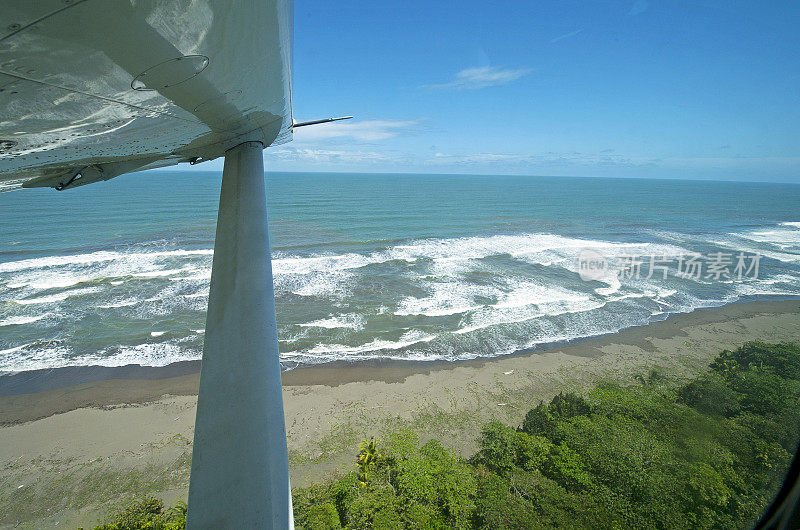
[498,447]
[569,405]
[435,485]
[538,421]
[374,506]
[497,508]
[543,419]
[764,391]
[566,467]
[783,357]
[147,514]
[323,517]
[311,506]
[531,451]
[711,395]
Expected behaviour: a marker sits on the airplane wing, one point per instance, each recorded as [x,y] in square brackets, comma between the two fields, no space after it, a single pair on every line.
[91,89]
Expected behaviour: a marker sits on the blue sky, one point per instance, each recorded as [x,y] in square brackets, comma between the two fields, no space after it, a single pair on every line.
[636,88]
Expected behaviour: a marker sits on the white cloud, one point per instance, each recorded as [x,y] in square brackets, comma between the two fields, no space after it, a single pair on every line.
[477,158]
[326,155]
[536,160]
[365,131]
[483,76]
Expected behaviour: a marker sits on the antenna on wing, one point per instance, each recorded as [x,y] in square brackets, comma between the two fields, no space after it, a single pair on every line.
[315,122]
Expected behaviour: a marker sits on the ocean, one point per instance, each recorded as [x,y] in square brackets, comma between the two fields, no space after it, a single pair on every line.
[418,267]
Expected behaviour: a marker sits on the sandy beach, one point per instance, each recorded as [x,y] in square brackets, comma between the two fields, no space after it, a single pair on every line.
[74,443]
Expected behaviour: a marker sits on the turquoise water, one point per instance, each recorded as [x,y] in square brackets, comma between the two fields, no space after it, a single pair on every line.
[401,266]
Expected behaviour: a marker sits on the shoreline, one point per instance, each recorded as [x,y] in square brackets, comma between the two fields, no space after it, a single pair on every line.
[68,456]
[36,394]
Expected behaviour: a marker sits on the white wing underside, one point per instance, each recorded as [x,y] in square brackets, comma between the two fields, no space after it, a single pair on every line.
[96,88]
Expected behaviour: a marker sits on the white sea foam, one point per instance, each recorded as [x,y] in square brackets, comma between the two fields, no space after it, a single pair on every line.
[523,293]
[53,261]
[445,298]
[49,299]
[322,275]
[509,292]
[741,245]
[35,356]
[50,281]
[65,271]
[559,302]
[490,318]
[14,349]
[780,238]
[629,296]
[765,287]
[614,285]
[123,303]
[460,250]
[765,242]
[781,278]
[201,275]
[351,321]
[149,354]
[307,265]
[97,257]
[161,273]
[407,339]
[518,245]
[44,299]
[431,307]
[333,284]
[19,320]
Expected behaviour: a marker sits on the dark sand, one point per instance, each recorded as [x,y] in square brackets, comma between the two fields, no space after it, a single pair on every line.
[37,394]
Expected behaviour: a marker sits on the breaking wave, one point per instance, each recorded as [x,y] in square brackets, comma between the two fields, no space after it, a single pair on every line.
[435,298]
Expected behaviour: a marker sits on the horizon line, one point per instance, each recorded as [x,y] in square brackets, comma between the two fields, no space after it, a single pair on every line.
[688,179]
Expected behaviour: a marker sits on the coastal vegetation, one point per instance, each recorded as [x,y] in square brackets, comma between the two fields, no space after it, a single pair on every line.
[707,453]
[148,514]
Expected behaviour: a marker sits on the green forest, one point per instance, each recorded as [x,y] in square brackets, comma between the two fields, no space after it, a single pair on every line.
[710,453]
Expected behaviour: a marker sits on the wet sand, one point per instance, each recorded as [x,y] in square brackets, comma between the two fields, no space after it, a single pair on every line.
[76,441]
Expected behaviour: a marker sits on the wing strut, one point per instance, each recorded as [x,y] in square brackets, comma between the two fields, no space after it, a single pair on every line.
[240,469]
